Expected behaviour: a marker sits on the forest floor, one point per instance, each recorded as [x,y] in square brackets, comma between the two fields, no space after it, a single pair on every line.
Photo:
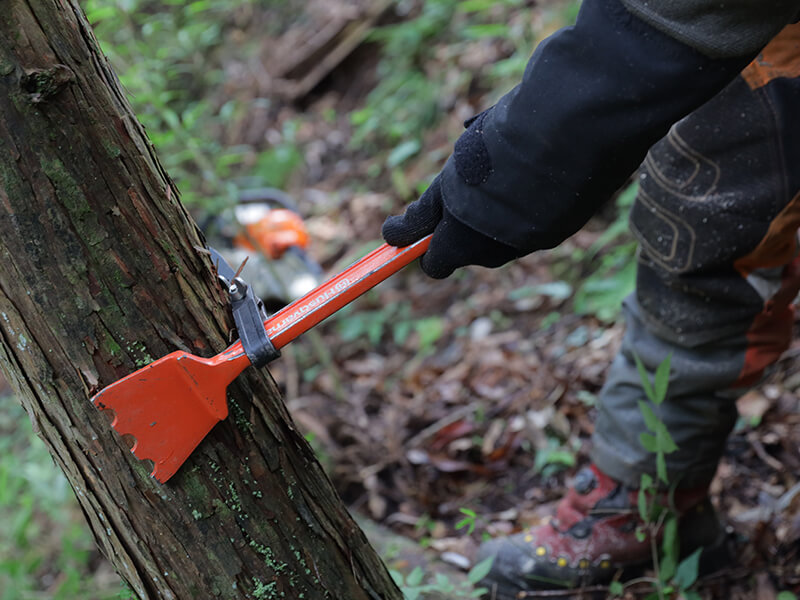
[477,396]
[451,411]
[438,404]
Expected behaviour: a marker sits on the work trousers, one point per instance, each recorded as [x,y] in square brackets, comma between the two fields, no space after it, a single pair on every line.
[716,217]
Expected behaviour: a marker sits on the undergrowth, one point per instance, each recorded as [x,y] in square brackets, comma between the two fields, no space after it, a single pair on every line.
[167,55]
[46,550]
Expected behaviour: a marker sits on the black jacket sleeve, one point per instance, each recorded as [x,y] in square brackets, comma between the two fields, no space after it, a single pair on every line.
[532,170]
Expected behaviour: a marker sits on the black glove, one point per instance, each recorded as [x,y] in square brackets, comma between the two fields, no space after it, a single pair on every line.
[454,244]
[530,172]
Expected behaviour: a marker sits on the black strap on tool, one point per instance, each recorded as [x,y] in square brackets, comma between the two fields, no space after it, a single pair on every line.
[248,313]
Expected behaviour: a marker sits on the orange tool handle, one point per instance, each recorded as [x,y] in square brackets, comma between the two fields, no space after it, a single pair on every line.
[324,300]
[320,303]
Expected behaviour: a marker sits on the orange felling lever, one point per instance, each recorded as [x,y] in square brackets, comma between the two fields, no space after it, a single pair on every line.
[171,404]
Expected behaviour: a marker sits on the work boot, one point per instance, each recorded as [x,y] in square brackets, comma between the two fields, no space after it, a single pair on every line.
[591,538]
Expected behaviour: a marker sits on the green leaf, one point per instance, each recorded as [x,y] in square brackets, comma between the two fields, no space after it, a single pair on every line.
[96,14]
[644,376]
[669,549]
[402,153]
[480,570]
[661,467]
[669,543]
[615,588]
[198,7]
[666,568]
[468,521]
[648,441]
[686,573]
[627,197]
[429,331]
[475,5]
[375,331]
[477,32]
[665,442]
[397,577]
[641,503]
[785,596]
[650,419]
[553,457]
[443,584]
[601,293]
[171,118]
[415,577]
[662,380]
[400,332]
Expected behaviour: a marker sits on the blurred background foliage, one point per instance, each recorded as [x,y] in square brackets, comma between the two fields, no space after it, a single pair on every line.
[176,60]
[186,68]
[46,549]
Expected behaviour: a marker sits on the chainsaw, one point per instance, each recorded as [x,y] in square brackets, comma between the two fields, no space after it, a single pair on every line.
[265,233]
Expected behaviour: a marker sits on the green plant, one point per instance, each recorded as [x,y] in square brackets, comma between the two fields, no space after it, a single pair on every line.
[658,441]
[169,58]
[409,97]
[468,521]
[394,319]
[674,577]
[414,584]
[612,272]
[404,102]
[553,458]
[424,528]
[45,546]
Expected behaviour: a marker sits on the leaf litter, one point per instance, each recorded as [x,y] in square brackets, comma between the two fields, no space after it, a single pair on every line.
[478,392]
[494,412]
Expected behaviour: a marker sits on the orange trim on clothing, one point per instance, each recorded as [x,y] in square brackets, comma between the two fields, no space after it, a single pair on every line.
[770,335]
[779,246]
[780,58]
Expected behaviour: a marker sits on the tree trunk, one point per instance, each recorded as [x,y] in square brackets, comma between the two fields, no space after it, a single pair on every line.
[99,274]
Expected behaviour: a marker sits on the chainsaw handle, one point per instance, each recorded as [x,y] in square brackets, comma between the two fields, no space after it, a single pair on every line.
[324,300]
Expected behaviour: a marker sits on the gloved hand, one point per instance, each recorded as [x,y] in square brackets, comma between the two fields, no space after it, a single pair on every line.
[530,171]
[453,245]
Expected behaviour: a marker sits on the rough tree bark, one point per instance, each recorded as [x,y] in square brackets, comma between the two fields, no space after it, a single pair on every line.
[98,274]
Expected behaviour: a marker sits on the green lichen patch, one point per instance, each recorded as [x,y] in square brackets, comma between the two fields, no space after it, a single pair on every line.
[141,357]
[265,591]
[239,417]
[270,561]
